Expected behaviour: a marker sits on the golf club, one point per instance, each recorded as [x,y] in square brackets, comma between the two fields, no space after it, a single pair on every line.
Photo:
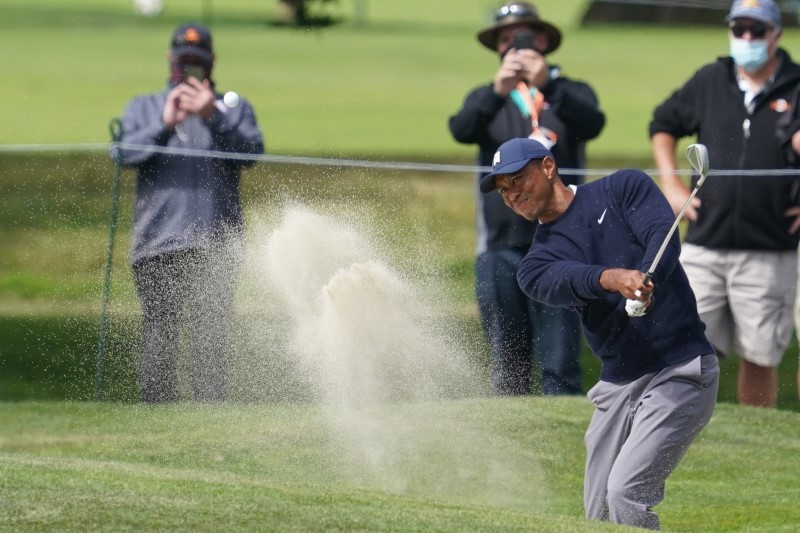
[698,158]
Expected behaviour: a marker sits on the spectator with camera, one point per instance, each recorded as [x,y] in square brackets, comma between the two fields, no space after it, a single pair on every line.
[187,231]
[529,97]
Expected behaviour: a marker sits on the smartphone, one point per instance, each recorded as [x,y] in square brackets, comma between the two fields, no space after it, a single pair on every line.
[195,71]
[523,39]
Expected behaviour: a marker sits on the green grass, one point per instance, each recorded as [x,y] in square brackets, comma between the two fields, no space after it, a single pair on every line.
[490,465]
[380,89]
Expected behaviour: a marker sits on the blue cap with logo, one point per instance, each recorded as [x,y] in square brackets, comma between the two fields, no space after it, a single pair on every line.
[761,10]
[511,157]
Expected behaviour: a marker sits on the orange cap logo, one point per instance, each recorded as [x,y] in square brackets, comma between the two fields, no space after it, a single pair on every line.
[755,4]
[191,36]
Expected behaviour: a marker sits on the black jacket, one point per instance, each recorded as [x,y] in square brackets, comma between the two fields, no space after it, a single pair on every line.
[788,125]
[489,120]
[738,212]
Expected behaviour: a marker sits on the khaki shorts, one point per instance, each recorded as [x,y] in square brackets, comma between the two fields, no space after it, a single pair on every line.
[745,298]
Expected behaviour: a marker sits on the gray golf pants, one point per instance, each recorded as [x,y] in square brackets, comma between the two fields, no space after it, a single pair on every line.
[638,434]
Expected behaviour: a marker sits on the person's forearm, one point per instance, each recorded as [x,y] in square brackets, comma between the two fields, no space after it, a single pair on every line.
[664,156]
[240,134]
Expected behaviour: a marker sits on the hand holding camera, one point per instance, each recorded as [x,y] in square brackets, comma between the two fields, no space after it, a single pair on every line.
[521,63]
[197,98]
[535,71]
[173,113]
[192,97]
[193,70]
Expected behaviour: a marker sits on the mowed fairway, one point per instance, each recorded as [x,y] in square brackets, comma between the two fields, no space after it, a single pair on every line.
[469,465]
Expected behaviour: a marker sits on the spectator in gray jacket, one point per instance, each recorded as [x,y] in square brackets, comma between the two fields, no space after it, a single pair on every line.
[187,234]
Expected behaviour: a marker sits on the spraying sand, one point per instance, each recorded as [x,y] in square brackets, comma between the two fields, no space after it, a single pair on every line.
[377,350]
[363,333]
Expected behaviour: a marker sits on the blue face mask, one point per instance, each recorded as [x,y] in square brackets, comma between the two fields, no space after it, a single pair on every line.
[750,55]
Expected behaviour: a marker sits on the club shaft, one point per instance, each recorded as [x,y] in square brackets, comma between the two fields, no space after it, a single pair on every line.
[649,274]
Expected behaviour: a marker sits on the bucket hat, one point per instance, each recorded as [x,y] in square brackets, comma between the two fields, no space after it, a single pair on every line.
[512,13]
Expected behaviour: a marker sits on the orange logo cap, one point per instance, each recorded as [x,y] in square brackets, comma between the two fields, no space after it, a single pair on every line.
[191,36]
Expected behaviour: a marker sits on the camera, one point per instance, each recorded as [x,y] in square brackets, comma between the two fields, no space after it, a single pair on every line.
[194,70]
[523,39]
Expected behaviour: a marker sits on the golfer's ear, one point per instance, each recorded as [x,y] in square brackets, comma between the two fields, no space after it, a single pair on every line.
[549,166]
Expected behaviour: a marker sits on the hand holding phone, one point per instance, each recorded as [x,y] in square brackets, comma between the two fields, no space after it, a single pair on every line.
[195,71]
[534,67]
[523,39]
[197,98]
[173,114]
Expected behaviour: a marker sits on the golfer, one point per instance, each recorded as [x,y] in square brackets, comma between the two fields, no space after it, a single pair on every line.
[659,375]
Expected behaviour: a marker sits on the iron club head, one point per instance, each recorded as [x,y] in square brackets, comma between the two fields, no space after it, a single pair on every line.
[698,158]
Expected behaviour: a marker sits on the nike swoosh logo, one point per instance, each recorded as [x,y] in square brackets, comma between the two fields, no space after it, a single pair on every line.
[600,220]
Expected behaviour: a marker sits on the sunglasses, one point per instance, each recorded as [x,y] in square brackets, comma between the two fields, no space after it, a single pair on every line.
[515,10]
[757,31]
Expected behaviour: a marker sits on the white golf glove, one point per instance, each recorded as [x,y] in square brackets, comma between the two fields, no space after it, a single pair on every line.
[635,308]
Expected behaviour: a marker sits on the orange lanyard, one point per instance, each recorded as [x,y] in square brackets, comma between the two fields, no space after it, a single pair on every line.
[534,103]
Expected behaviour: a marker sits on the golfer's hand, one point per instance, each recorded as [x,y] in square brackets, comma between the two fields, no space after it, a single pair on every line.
[173,114]
[509,74]
[629,283]
[534,68]
[635,308]
[677,193]
[197,98]
[794,212]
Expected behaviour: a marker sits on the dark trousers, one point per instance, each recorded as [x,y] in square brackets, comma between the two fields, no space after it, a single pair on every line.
[190,290]
[516,327]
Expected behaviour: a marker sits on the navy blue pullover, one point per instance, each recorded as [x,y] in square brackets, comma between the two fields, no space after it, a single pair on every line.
[618,221]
